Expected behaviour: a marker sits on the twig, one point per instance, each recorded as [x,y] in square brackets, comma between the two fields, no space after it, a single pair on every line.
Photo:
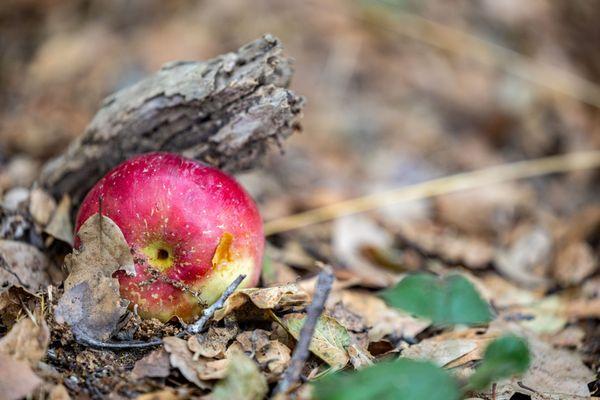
[435,187]
[85,340]
[208,312]
[315,309]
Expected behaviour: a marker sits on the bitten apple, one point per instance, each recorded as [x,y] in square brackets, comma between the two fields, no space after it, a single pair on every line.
[192,230]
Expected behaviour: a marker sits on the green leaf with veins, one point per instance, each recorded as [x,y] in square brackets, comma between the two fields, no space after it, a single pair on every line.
[445,301]
[403,379]
[329,341]
[504,357]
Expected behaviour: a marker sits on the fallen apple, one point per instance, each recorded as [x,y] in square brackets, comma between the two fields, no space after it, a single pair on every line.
[192,230]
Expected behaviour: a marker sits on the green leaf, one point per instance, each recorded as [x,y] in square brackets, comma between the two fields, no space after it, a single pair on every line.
[445,301]
[329,341]
[504,357]
[403,379]
[243,381]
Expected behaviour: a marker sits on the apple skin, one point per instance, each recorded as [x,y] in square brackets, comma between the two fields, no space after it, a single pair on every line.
[192,230]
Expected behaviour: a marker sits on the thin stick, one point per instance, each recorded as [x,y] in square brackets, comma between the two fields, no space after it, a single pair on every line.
[86,340]
[208,312]
[435,187]
[314,311]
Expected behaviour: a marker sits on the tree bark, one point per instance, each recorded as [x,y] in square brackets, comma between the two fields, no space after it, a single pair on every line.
[226,112]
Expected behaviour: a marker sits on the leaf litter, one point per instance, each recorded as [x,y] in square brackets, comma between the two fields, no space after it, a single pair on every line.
[529,248]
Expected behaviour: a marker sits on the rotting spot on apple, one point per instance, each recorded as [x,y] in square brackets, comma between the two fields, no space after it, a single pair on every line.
[192,230]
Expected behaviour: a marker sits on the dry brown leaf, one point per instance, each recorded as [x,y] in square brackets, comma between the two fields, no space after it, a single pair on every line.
[181,358]
[213,342]
[359,358]
[350,235]
[24,266]
[553,373]
[275,356]
[252,341]
[213,370]
[484,212]
[60,225]
[154,365]
[574,263]
[91,304]
[526,259]
[447,245]
[166,394]
[59,392]
[17,380]
[453,349]
[26,341]
[41,206]
[381,319]
[264,298]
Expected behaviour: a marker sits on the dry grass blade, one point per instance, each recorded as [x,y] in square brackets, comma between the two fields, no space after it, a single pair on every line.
[435,187]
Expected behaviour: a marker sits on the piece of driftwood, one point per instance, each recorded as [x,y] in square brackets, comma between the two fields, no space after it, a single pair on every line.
[226,112]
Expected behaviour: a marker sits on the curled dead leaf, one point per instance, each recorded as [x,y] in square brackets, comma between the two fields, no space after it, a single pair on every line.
[17,380]
[154,365]
[213,342]
[91,304]
[26,341]
[264,298]
[24,266]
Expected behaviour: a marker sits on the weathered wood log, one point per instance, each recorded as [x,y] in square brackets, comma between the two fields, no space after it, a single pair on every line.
[226,112]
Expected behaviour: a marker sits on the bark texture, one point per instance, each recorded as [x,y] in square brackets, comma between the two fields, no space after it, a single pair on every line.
[226,112]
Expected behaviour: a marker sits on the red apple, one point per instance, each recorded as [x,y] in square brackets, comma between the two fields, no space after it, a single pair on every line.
[192,230]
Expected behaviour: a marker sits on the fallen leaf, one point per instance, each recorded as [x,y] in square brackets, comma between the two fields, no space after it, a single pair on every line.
[59,392]
[526,260]
[182,359]
[166,394]
[484,212]
[359,358]
[329,341]
[213,370]
[60,225]
[264,298]
[350,235]
[17,380]
[213,342]
[381,319]
[24,266]
[154,365]
[91,304]
[26,341]
[242,382]
[275,356]
[574,263]
[553,373]
[252,341]
[448,245]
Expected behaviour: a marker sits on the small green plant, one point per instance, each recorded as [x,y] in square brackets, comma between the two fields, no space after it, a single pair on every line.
[445,301]
[451,300]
